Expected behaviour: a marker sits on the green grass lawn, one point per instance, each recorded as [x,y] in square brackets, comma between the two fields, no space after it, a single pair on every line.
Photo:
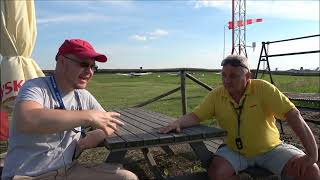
[116,91]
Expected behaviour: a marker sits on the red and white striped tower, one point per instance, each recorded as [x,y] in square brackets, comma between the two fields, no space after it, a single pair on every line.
[239,31]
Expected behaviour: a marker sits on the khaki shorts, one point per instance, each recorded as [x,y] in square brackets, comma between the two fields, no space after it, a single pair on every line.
[273,160]
[85,171]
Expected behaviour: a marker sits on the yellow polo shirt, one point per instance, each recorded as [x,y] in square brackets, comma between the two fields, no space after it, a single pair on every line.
[263,103]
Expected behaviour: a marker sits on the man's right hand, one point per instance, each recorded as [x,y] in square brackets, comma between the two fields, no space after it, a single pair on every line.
[106,121]
[187,120]
[174,126]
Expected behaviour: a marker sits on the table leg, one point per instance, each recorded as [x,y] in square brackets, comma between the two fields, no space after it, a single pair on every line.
[168,150]
[116,157]
[147,154]
[202,152]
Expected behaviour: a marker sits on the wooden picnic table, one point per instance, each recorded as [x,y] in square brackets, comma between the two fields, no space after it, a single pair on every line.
[141,132]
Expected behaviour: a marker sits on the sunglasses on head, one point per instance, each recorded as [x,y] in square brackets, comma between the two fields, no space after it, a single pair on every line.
[93,67]
[233,62]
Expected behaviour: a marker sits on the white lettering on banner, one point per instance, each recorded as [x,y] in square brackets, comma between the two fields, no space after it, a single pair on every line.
[11,86]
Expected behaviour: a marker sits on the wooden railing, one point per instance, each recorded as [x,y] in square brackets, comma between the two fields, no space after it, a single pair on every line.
[185,73]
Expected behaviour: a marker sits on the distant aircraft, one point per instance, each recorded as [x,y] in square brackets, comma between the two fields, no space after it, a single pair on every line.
[132,74]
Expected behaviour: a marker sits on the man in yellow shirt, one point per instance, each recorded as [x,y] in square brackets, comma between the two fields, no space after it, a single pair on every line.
[248,109]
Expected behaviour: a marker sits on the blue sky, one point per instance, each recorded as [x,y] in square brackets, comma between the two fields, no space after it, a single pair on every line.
[175,34]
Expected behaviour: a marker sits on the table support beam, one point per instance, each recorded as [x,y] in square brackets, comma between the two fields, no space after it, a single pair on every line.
[116,157]
[150,160]
[168,150]
[202,152]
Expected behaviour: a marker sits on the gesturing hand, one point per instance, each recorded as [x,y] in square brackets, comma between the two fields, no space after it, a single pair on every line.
[106,121]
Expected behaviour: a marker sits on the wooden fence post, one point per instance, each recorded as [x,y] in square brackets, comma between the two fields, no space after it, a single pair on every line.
[183,91]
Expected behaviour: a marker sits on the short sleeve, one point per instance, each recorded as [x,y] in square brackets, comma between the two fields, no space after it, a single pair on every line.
[30,91]
[205,110]
[275,101]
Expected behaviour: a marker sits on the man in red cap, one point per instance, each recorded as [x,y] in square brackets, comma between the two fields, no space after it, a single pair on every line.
[45,135]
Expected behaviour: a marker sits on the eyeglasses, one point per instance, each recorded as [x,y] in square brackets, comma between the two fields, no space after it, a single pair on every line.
[233,62]
[93,67]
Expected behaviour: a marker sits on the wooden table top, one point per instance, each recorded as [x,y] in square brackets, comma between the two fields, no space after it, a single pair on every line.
[141,130]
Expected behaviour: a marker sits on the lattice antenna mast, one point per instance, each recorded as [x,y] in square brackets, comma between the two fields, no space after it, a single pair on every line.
[239,31]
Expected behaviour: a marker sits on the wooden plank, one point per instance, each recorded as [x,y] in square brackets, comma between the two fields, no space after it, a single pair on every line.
[114,142]
[155,124]
[153,117]
[192,133]
[196,132]
[143,118]
[194,79]
[143,136]
[160,119]
[163,118]
[145,130]
[310,97]
[209,132]
[214,142]
[129,140]
[141,130]
[201,130]
[213,145]
[193,176]
[150,119]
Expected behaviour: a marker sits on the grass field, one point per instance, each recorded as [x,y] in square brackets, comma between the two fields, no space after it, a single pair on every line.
[116,91]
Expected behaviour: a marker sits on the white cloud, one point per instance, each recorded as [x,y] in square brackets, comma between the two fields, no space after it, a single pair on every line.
[159,32]
[97,4]
[211,3]
[303,10]
[126,3]
[73,18]
[138,37]
[150,35]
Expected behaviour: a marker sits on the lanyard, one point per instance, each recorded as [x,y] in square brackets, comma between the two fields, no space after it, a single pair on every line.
[61,104]
[57,92]
[238,139]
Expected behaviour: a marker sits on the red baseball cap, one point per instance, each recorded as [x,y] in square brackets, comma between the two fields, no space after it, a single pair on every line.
[81,49]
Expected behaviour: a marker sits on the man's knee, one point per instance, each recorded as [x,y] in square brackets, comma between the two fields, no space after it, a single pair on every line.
[220,169]
[127,175]
[312,172]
